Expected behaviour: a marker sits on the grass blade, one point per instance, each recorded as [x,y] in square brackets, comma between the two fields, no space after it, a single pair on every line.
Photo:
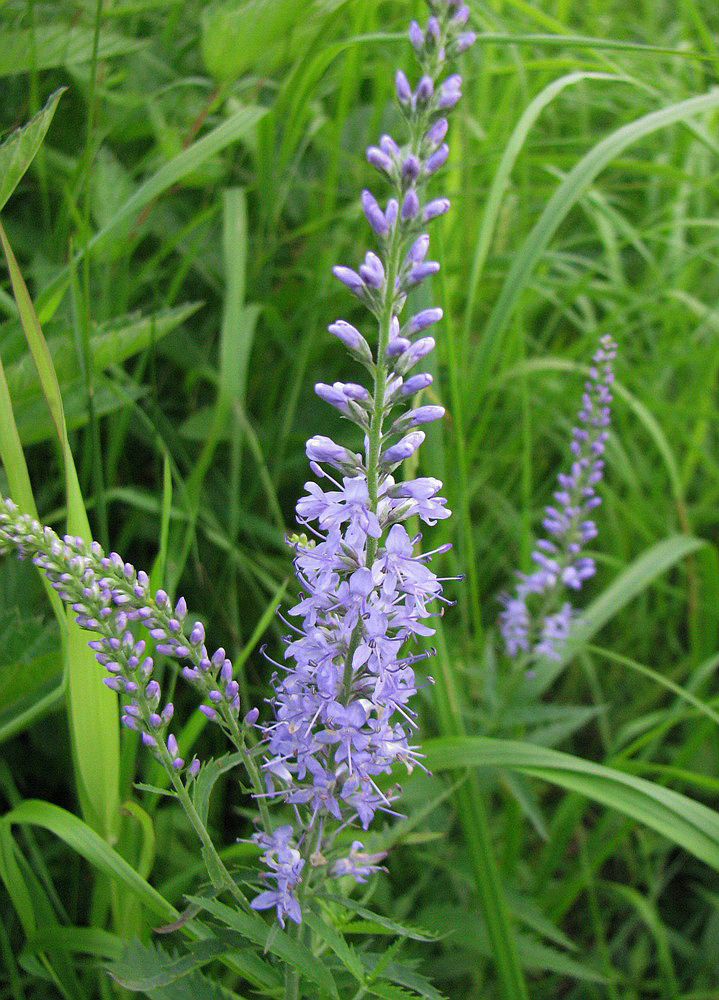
[93,709]
[19,149]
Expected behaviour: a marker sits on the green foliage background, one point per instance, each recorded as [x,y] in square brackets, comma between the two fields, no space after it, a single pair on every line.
[176,230]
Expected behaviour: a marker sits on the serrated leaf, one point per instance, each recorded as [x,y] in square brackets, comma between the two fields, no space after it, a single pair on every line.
[388,991]
[401,976]
[272,939]
[147,967]
[414,933]
[209,859]
[332,937]
[19,149]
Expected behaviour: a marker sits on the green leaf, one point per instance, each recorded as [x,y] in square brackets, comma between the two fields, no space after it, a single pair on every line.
[414,933]
[19,149]
[500,179]
[113,344]
[254,34]
[34,423]
[158,968]
[35,910]
[81,940]
[687,823]
[400,976]
[179,167]
[270,938]
[86,842]
[205,781]
[31,666]
[325,930]
[567,194]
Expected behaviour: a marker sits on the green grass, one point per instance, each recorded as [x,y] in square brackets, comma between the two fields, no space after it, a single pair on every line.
[176,231]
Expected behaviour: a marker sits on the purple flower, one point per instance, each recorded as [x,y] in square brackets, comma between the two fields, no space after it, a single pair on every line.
[530,621]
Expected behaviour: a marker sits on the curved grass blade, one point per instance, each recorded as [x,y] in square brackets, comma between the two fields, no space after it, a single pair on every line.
[687,823]
[629,584]
[93,709]
[562,201]
[189,160]
[493,202]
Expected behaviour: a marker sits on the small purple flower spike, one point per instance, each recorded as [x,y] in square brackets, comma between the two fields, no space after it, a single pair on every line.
[569,527]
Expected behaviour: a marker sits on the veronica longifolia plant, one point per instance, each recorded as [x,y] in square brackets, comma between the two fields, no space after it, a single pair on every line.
[341,712]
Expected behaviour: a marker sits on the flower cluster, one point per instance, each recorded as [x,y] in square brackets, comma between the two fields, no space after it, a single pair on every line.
[531,622]
[342,717]
[108,596]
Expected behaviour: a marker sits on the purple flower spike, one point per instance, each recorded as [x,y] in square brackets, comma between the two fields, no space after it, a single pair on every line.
[341,700]
[422,271]
[464,42]
[350,279]
[372,271]
[436,161]
[416,36]
[424,91]
[436,134]
[449,93]
[379,160]
[426,414]
[558,560]
[416,384]
[434,209]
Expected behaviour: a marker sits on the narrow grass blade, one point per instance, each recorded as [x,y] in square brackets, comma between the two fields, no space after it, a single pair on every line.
[500,180]
[87,843]
[93,709]
[687,823]
[639,575]
[562,201]
[475,824]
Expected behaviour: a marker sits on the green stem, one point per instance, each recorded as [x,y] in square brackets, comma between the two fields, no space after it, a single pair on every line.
[199,827]
[238,738]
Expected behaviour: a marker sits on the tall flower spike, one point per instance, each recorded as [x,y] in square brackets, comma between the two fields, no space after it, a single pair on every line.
[342,715]
[535,618]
